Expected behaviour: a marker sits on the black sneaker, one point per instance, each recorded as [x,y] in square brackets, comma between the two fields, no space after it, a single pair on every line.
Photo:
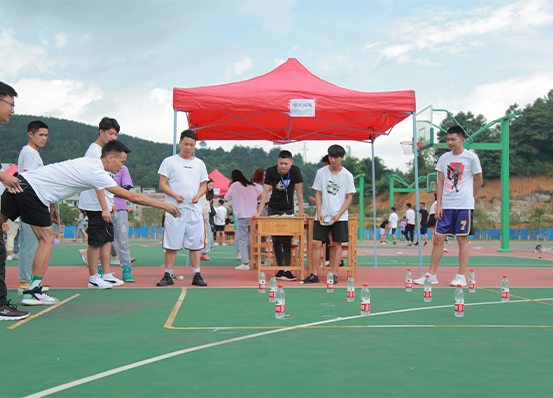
[166,280]
[425,243]
[198,280]
[279,274]
[9,312]
[335,279]
[342,263]
[416,244]
[311,279]
[394,242]
[287,276]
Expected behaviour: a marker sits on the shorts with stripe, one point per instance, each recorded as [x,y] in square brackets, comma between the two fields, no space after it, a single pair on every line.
[188,230]
[455,222]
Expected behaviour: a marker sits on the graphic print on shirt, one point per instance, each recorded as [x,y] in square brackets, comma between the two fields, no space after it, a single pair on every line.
[281,185]
[332,188]
[454,176]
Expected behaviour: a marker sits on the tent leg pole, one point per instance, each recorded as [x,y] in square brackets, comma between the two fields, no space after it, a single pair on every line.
[374,206]
[416,163]
[175,134]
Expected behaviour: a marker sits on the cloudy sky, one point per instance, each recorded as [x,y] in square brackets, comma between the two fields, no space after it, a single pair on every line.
[82,60]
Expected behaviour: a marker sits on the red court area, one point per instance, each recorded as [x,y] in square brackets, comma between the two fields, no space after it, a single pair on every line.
[77,277]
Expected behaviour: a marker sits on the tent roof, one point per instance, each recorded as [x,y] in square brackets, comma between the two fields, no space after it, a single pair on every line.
[219,182]
[259,108]
[12,170]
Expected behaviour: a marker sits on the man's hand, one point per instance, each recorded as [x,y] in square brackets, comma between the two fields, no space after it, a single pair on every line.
[312,199]
[179,198]
[106,216]
[320,218]
[256,215]
[11,183]
[439,213]
[173,210]
[334,218]
[195,199]
[54,214]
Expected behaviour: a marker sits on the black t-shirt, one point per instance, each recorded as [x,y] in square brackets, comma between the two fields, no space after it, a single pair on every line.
[282,197]
[424,214]
[384,223]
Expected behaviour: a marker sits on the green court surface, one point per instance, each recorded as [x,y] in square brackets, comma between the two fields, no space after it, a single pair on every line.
[150,253]
[224,342]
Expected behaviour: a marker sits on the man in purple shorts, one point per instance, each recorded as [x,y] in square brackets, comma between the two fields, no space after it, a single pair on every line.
[459,180]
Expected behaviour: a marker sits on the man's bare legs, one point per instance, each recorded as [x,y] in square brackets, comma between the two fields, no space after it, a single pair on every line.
[45,237]
[337,257]
[170,258]
[437,252]
[316,247]
[463,242]
[103,253]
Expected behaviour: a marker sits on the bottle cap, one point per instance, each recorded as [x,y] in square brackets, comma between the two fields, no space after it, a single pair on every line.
[471,270]
[260,270]
[272,276]
[365,285]
[505,276]
[351,276]
[459,286]
[280,286]
[408,269]
[428,276]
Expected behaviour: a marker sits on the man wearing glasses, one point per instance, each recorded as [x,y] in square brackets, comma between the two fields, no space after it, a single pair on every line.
[8,311]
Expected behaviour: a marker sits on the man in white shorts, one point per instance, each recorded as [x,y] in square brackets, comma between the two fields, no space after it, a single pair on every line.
[183,179]
[50,184]
[393,219]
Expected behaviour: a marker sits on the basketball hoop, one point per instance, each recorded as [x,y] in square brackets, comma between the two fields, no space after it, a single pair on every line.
[408,148]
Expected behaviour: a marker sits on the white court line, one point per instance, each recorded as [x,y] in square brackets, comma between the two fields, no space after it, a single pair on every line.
[121,369]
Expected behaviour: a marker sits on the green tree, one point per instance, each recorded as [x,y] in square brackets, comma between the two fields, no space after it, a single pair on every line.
[67,215]
[151,216]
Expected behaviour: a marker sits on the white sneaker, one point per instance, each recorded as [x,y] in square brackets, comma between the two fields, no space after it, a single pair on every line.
[420,281]
[115,261]
[38,299]
[458,280]
[243,267]
[83,254]
[112,279]
[9,258]
[96,282]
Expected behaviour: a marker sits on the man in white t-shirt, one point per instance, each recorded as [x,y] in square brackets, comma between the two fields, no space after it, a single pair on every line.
[220,218]
[183,179]
[393,224]
[29,159]
[50,184]
[410,227]
[334,189]
[98,206]
[459,180]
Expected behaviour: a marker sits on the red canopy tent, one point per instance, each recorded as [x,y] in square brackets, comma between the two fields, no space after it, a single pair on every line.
[262,108]
[220,182]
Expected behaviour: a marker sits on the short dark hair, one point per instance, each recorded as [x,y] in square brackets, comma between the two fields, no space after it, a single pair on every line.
[336,151]
[285,155]
[107,123]
[190,134]
[221,201]
[325,159]
[393,208]
[7,90]
[408,205]
[115,147]
[35,125]
[457,130]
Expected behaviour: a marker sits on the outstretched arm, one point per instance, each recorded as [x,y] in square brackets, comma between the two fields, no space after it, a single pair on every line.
[144,200]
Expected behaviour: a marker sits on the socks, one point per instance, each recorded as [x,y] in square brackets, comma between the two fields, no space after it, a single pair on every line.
[169,271]
[195,270]
[35,281]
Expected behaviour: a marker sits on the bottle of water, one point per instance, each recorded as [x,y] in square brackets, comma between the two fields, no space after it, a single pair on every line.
[365,300]
[459,300]
[505,290]
[427,289]
[472,282]
[330,282]
[409,281]
[261,281]
[351,290]
[272,289]
[280,303]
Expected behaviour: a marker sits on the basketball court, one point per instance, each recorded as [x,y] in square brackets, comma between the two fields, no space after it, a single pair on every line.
[142,340]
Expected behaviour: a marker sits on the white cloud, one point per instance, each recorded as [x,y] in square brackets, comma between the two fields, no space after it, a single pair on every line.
[242,66]
[433,33]
[18,57]
[279,61]
[60,39]
[67,99]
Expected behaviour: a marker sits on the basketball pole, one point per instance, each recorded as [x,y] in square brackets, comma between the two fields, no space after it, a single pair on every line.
[417,217]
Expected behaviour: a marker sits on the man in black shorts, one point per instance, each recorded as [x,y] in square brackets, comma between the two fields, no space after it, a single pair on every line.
[283,179]
[423,219]
[8,311]
[334,189]
[50,184]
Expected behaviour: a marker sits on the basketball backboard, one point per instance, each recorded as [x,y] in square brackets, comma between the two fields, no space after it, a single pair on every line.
[424,126]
